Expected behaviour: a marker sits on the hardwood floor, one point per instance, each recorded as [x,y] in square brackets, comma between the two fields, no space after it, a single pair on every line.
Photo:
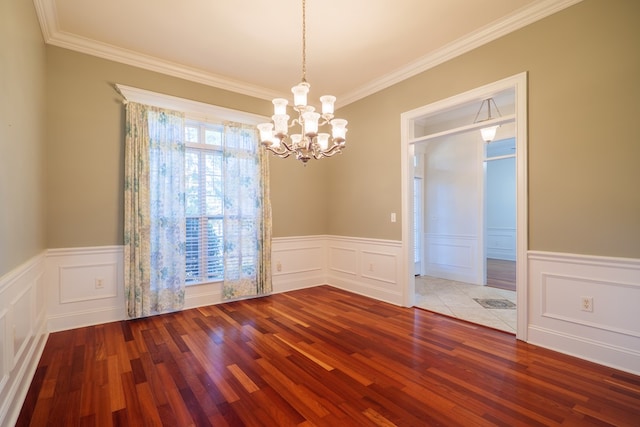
[316,357]
[501,274]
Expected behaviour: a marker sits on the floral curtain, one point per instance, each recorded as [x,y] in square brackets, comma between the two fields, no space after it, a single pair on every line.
[247,214]
[154,229]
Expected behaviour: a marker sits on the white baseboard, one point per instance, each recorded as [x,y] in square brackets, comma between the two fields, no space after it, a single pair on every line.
[23,334]
[610,333]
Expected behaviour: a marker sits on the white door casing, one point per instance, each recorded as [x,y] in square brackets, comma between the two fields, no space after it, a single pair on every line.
[408,141]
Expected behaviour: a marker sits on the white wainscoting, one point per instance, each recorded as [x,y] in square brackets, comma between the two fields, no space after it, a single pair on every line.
[610,334]
[85,286]
[298,262]
[368,267]
[501,243]
[23,334]
[453,257]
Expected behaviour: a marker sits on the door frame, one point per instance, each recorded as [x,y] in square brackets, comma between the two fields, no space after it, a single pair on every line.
[517,82]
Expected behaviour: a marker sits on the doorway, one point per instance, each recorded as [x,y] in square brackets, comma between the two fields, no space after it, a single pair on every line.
[500,213]
[449,120]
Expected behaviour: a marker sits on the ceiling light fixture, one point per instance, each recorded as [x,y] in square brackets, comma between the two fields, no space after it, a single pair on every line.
[308,143]
[488,133]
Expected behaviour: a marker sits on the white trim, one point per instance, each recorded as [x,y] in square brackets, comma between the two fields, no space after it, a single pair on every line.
[602,353]
[21,286]
[484,35]
[466,128]
[89,250]
[519,83]
[597,260]
[609,334]
[48,17]
[377,242]
[72,300]
[519,19]
[194,110]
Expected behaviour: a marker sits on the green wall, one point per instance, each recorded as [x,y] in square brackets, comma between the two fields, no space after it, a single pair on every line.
[22,127]
[85,149]
[583,64]
[583,68]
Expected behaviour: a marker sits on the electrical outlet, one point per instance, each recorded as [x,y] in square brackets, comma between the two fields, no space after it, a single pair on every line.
[99,283]
[586,304]
[278,266]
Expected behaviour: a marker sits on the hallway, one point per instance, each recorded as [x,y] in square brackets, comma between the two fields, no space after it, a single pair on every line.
[465,301]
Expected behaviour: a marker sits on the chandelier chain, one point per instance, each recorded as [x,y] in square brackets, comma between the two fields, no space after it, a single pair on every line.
[304,41]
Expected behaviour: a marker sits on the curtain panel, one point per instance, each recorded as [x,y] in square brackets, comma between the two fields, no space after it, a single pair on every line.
[154,228]
[247,214]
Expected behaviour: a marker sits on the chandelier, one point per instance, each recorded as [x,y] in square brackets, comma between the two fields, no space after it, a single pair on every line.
[306,141]
[488,133]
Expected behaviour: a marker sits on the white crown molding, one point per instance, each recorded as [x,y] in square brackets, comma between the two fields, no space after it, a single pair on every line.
[52,34]
[48,17]
[484,35]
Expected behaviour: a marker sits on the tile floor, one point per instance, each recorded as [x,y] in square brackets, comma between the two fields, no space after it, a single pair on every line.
[456,299]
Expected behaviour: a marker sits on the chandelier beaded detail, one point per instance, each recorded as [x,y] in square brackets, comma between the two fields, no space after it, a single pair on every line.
[308,142]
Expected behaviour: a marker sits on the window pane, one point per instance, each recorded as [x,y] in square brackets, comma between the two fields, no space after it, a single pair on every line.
[213,180]
[190,134]
[192,182]
[215,269]
[213,136]
[193,250]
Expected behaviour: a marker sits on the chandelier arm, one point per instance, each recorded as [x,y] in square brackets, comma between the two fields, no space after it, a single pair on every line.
[282,154]
[295,122]
[334,149]
[285,150]
[327,153]
[288,148]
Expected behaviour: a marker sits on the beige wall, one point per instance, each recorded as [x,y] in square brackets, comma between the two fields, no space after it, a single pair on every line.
[22,68]
[584,143]
[85,152]
[584,146]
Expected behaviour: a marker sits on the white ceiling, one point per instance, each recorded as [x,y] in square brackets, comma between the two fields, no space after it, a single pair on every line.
[354,47]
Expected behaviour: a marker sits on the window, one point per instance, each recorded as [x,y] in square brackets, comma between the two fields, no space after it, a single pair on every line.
[203,202]
[206,203]
[225,223]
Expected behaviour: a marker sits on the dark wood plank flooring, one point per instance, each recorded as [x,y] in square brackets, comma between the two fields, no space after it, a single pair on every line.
[501,274]
[316,357]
